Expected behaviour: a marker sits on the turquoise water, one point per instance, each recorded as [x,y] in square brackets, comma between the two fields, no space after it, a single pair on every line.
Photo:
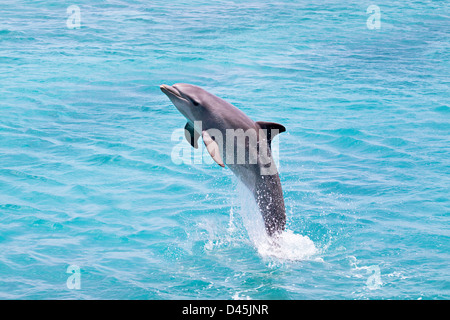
[87,178]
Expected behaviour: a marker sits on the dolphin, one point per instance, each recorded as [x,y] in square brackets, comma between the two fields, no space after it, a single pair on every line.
[233,139]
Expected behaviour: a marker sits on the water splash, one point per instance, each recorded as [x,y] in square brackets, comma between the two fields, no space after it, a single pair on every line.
[286,246]
[373,281]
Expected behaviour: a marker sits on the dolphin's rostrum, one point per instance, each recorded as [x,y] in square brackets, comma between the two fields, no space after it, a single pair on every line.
[233,139]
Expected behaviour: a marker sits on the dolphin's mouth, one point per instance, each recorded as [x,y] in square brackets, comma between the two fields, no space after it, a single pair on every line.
[169,90]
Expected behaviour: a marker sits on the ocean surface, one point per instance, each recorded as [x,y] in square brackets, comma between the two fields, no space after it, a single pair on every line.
[94,206]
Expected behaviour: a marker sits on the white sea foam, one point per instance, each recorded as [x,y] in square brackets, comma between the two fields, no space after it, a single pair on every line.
[238,296]
[288,246]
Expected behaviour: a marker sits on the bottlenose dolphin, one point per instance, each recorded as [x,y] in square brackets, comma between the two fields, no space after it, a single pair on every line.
[233,139]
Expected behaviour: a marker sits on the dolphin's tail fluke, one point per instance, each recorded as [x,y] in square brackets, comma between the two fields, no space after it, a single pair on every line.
[269,197]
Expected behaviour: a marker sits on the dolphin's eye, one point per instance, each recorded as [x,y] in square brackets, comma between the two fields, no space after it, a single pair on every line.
[193,101]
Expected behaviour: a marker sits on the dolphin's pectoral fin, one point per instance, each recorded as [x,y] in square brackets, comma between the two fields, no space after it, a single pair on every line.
[213,148]
[272,129]
[191,135]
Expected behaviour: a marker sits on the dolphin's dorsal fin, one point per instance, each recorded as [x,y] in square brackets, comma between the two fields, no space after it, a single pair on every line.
[213,148]
[272,129]
[191,135]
